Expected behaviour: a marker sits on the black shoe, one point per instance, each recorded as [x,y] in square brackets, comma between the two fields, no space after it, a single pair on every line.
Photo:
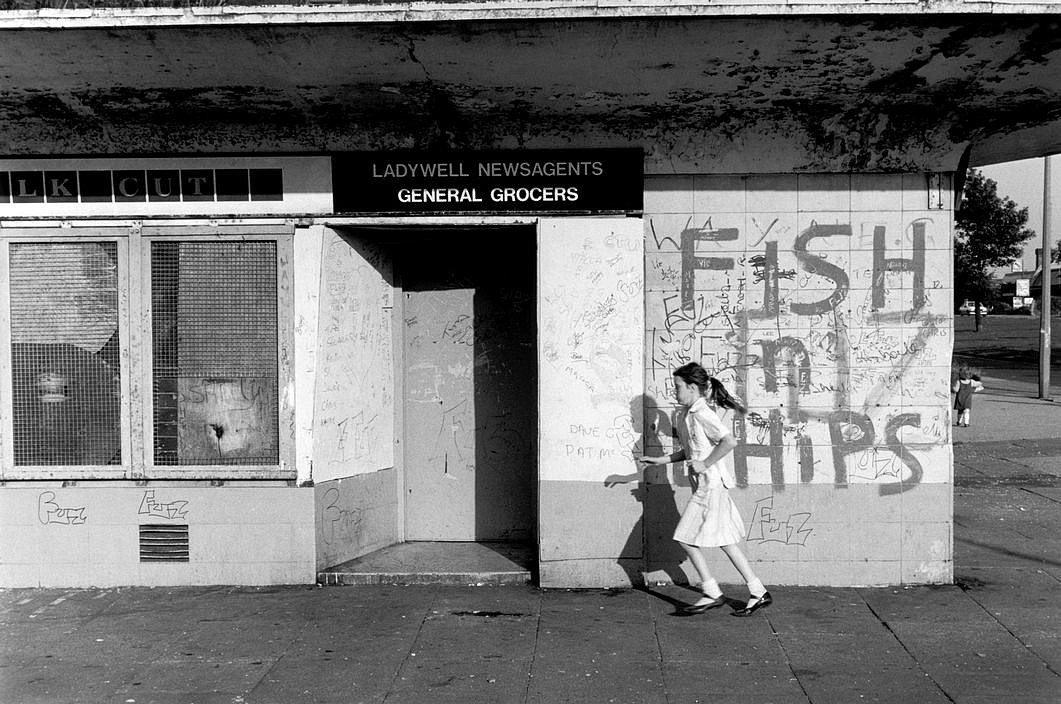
[755,604]
[692,609]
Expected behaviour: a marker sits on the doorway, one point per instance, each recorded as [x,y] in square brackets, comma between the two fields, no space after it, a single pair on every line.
[469,371]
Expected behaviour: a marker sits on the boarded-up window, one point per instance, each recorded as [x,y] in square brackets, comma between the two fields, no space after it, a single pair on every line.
[66,381]
[214,346]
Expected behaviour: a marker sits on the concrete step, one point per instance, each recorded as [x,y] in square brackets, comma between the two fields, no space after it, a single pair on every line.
[442,563]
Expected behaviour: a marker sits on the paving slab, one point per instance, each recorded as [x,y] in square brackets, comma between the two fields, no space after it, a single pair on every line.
[483,636]
[193,677]
[461,678]
[556,681]
[731,682]
[871,683]
[841,651]
[329,678]
[64,682]
[1036,687]
[818,610]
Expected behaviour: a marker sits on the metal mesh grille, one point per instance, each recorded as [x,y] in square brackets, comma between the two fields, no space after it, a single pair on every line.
[214,338]
[64,352]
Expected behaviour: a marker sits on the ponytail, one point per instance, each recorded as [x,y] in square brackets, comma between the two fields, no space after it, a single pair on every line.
[724,398]
[693,373]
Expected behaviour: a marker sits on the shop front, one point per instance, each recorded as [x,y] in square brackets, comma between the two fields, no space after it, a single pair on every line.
[340,278]
[248,369]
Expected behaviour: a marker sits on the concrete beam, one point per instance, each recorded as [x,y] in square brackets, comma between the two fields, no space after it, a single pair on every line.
[779,93]
[160,13]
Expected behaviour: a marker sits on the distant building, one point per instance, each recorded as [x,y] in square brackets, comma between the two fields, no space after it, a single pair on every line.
[1014,288]
[1036,284]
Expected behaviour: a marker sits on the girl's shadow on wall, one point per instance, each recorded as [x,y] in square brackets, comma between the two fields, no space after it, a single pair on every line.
[650,547]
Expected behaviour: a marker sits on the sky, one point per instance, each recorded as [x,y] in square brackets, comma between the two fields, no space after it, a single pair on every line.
[1022,181]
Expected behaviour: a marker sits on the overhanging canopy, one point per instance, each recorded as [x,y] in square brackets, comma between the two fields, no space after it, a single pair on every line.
[765,92]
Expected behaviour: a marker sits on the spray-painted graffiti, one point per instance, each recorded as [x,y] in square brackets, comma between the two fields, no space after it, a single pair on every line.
[337,523]
[48,511]
[157,509]
[835,335]
[765,527]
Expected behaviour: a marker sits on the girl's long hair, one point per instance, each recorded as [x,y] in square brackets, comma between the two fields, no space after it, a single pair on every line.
[693,373]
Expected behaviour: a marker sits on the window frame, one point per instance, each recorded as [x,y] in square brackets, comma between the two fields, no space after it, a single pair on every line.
[284,238]
[135,353]
[8,469]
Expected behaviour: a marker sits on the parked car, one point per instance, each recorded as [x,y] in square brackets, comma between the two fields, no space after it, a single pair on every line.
[969,307]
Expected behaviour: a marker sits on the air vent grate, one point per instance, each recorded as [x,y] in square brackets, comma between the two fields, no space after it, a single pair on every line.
[163,543]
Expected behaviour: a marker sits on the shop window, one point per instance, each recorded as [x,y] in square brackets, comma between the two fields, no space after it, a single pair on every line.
[145,353]
[65,342]
[214,353]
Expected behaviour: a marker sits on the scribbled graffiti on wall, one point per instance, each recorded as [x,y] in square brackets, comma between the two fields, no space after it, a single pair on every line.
[591,343]
[834,328]
[354,394]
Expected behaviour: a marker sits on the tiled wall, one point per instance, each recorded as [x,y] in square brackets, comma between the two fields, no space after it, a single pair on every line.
[54,536]
[825,302]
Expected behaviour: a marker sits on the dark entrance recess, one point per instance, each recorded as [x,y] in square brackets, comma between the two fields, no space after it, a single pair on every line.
[468,381]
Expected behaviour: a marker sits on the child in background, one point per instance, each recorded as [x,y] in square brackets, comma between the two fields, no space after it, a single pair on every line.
[967,383]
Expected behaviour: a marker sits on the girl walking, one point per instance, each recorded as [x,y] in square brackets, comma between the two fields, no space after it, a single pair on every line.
[710,518]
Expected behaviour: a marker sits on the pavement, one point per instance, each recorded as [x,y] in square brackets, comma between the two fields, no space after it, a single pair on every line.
[991,637]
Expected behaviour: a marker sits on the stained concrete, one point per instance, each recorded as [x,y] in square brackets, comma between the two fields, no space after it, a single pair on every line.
[778,92]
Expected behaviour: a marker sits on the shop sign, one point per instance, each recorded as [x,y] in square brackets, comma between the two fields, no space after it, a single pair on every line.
[538,181]
[139,185]
[125,186]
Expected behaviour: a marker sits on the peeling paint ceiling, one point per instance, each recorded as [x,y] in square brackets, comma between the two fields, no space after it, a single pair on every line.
[709,94]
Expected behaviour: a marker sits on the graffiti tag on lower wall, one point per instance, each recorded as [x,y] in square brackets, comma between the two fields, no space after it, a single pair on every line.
[48,511]
[337,522]
[156,509]
[765,527]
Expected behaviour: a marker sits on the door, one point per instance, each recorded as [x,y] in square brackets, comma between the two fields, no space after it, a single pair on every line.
[470,419]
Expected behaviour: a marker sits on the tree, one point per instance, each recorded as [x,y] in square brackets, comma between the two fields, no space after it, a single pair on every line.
[989,232]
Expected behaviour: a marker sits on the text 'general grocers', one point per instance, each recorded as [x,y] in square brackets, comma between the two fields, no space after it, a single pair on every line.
[508,194]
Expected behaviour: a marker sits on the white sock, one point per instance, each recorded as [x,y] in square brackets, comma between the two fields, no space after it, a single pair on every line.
[710,588]
[756,588]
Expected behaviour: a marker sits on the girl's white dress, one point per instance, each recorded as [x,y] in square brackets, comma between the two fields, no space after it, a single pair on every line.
[710,519]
